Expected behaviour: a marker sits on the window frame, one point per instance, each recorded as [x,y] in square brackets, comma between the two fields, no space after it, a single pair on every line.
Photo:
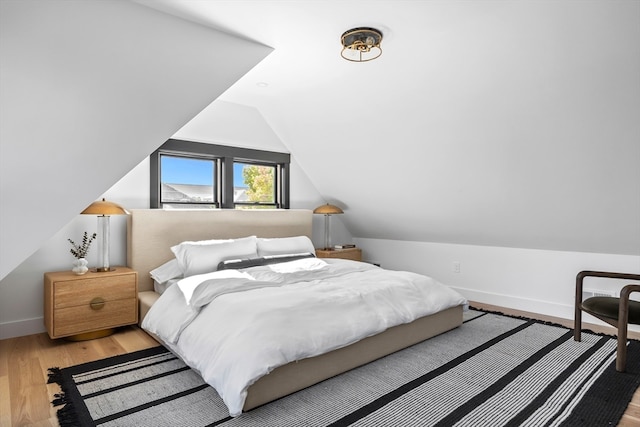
[216,174]
[225,157]
[276,185]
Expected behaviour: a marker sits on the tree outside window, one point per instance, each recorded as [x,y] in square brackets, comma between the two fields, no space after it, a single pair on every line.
[260,181]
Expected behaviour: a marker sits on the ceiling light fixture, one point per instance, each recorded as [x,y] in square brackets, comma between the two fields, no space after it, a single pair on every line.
[361,44]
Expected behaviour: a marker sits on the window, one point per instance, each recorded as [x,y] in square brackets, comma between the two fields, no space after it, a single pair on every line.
[187,180]
[186,174]
[254,185]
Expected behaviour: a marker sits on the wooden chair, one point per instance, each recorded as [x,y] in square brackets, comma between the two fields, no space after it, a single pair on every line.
[618,312]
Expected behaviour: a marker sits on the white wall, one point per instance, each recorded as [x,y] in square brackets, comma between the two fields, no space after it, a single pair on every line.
[242,126]
[533,280]
[21,291]
[89,89]
[516,124]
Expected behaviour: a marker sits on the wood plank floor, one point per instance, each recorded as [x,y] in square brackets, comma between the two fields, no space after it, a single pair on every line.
[25,395]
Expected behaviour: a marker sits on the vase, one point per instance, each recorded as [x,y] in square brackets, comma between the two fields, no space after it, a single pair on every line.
[80,266]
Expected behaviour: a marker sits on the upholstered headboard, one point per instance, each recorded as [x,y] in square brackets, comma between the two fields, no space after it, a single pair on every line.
[152,232]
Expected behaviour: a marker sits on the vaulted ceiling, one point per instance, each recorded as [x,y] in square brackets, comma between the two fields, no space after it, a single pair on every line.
[508,123]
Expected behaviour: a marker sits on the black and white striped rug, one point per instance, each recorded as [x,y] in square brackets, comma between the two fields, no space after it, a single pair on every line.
[492,371]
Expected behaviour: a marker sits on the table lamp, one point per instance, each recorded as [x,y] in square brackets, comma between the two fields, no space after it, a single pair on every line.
[104,210]
[327,210]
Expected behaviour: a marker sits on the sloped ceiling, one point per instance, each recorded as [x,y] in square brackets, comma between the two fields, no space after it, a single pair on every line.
[88,90]
[500,123]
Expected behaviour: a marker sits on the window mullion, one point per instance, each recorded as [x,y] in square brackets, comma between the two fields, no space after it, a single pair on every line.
[226,183]
[284,182]
[154,190]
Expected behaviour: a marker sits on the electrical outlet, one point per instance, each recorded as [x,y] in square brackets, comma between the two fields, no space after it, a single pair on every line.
[456,267]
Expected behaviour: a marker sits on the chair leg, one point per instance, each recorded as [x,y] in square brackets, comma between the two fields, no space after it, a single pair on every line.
[577,324]
[623,325]
[577,317]
[621,357]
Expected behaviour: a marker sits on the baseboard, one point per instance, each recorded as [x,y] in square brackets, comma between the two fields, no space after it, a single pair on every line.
[541,310]
[548,308]
[21,328]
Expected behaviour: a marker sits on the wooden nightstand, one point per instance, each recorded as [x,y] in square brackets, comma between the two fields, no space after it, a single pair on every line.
[91,305]
[354,254]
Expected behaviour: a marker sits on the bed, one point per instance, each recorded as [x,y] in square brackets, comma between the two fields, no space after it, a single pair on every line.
[151,233]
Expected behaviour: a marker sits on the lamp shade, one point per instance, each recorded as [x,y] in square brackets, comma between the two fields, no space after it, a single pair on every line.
[327,210]
[102,207]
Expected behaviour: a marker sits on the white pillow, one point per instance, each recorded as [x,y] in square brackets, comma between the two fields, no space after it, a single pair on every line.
[285,245]
[198,258]
[167,271]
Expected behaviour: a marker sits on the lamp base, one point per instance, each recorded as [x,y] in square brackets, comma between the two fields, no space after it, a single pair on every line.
[103,269]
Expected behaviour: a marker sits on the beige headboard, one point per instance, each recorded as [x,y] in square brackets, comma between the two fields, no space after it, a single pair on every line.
[152,232]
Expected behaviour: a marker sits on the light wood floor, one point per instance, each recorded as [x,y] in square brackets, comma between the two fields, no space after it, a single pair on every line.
[25,395]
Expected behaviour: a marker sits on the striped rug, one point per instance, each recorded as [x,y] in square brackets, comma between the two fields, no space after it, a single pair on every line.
[494,370]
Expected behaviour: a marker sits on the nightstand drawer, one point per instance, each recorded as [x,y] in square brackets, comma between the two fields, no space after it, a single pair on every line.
[81,292]
[87,317]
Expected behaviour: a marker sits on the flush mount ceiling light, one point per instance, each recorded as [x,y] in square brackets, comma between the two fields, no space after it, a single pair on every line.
[361,44]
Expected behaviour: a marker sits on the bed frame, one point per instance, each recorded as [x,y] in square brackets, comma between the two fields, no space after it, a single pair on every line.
[151,233]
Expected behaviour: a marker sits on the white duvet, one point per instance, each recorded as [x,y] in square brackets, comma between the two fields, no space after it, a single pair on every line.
[235,326]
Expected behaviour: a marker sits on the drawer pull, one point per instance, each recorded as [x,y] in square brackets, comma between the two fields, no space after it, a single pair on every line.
[97,303]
